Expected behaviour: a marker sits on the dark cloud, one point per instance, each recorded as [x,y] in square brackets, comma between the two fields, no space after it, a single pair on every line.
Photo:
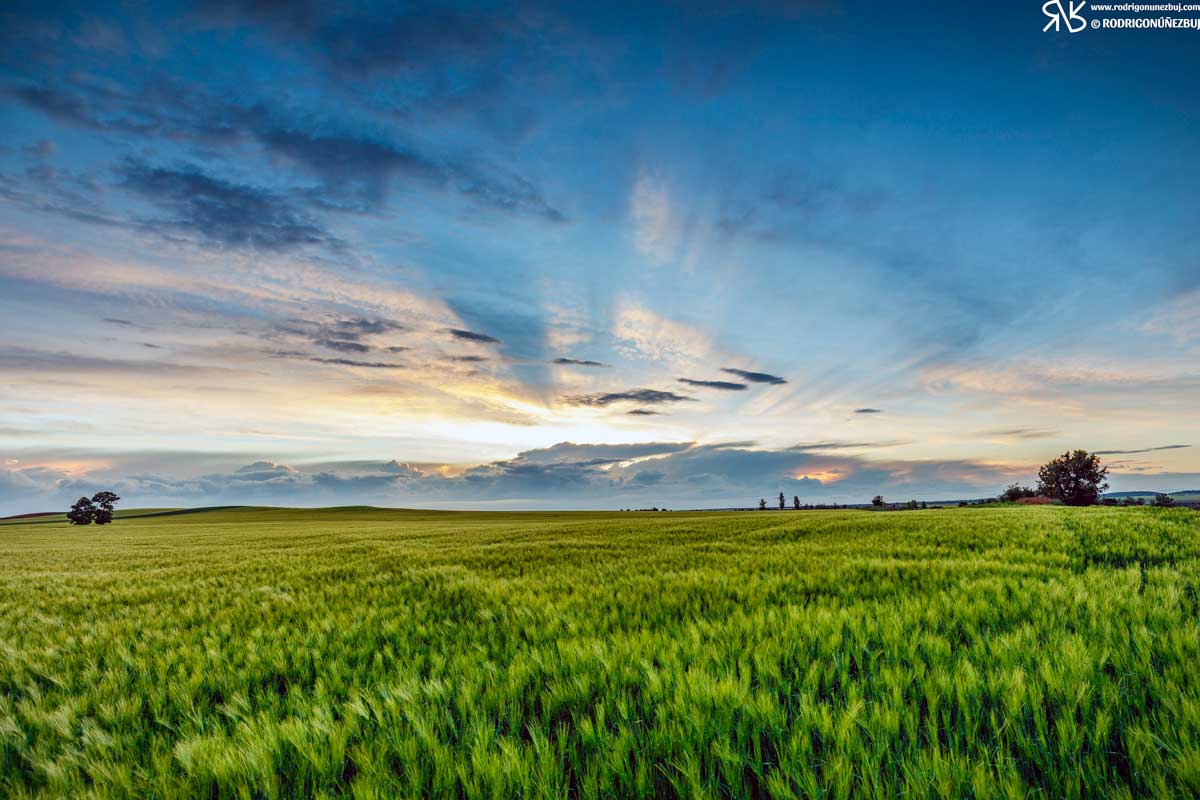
[647,477]
[868,411]
[114,321]
[355,327]
[349,362]
[343,346]
[754,377]
[361,171]
[343,362]
[648,396]
[357,172]
[472,62]
[57,105]
[472,336]
[371,42]
[726,386]
[1143,450]
[220,212]
[467,359]
[643,412]
[344,334]
[576,362]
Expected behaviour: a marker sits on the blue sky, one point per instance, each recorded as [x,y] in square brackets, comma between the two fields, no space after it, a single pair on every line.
[534,255]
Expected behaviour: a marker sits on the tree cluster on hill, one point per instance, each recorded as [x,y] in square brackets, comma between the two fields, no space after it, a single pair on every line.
[97,509]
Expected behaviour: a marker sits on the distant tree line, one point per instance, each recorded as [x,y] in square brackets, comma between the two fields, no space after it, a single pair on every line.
[1076,478]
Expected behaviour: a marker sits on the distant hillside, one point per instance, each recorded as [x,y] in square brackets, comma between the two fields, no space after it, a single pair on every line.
[1184,494]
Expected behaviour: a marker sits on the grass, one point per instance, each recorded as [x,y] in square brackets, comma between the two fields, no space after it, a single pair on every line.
[974,652]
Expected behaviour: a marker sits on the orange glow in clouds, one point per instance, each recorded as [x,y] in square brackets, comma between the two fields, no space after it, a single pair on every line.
[824,476]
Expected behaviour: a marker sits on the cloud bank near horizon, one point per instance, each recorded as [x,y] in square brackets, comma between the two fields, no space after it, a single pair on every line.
[565,475]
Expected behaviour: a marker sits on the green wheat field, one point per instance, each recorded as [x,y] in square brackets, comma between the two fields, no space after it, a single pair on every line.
[960,652]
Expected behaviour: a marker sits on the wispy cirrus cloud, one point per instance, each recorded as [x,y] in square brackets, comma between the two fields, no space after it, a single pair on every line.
[1019,433]
[655,227]
[1142,450]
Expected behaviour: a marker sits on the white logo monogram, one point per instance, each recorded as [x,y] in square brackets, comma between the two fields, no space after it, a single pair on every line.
[1060,16]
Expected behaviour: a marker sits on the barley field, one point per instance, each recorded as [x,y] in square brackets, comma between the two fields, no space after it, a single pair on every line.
[272,653]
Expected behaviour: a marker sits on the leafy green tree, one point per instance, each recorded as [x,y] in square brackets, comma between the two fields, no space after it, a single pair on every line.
[877,500]
[762,504]
[1163,500]
[82,513]
[1076,478]
[796,502]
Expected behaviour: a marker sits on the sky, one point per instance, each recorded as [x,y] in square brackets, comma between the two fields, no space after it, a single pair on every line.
[598,256]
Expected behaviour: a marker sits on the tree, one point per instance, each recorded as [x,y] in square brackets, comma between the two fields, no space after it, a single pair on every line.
[762,504]
[782,502]
[1017,492]
[796,502]
[1163,500]
[877,500]
[104,507]
[1076,478]
[82,513]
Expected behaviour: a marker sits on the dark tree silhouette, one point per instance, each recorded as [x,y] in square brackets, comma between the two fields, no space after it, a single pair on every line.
[877,500]
[82,513]
[796,502]
[782,502]
[1076,478]
[1017,492]
[104,507]
[762,504]
[1163,500]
